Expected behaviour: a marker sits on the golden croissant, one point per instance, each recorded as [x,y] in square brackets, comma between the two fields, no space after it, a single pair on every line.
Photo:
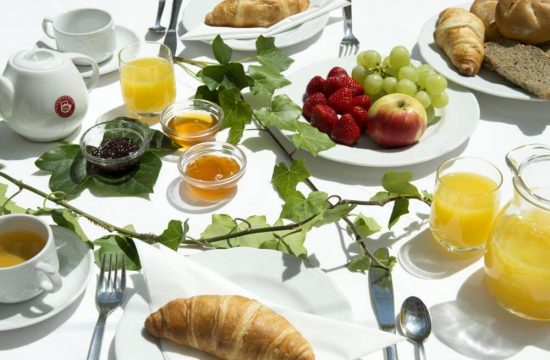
[460,34]
[229,327]
[252,13]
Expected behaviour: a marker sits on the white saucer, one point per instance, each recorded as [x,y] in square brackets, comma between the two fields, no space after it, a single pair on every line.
[124,36]
[75,267]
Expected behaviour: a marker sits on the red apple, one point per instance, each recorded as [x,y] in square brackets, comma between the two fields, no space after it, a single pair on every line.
[396,120]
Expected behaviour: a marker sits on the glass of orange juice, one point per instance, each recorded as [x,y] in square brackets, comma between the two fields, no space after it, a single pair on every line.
[147,78]
[465,203]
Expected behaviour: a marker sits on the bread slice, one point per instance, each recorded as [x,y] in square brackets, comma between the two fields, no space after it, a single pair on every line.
[525,65]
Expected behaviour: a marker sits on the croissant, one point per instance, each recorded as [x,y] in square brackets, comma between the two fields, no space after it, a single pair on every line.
[252,13]
[229,327]
[460,34]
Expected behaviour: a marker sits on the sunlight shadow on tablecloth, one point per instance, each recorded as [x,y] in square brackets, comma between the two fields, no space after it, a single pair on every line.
[476,326]
[178,196]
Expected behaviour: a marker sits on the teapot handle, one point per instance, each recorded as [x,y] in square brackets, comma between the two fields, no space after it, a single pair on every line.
[92,80]
[46,22]
[522,154]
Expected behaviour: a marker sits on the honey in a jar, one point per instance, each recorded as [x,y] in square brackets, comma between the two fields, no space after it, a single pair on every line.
[212,168]
[186,128]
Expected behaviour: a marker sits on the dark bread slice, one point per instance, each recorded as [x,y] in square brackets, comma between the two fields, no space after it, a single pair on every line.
[525,65]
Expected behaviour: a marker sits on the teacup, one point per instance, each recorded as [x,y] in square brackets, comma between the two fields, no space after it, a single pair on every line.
[28,258]
[87,31]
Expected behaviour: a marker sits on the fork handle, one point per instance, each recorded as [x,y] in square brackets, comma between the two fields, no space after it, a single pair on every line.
[97,338]
[347,15]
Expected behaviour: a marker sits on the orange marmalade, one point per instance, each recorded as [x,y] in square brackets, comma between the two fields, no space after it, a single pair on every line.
[212,168]
[191,128]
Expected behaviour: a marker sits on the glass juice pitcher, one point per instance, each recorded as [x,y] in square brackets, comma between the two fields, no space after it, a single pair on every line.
[517,257]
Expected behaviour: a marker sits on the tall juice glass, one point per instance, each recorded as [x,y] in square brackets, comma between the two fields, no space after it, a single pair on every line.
[147,78]
[465,204]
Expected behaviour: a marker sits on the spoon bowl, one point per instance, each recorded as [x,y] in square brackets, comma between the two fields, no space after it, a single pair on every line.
[415,321]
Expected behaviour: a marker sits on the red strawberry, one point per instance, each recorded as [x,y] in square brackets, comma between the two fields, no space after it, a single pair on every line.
[362,101]
[323,117]
[311,101]
[355,87]
[333,83]
[346,131]
[360,116]
[315,85]
[337,71]
[341,100]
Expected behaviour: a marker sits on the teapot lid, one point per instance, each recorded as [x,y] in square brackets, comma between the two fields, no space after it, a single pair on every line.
[38,59]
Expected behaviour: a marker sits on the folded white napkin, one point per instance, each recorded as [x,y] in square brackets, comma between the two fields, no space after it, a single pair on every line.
[316,8]
[170,275]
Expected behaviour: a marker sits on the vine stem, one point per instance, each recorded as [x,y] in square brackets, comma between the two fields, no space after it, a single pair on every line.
[359,240]
[384,201]
[149,238]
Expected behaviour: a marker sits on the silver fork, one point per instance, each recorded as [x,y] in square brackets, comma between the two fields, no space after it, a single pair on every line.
[109,295]
[349,44]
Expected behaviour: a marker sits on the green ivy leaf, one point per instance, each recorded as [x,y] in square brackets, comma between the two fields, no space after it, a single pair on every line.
[383,256]
[383,195]
[297,207]
[310,139]
[212,76]
[427,196]
[359,264]
[285,179]
[236,75]
[400,208]
[365,226]
[221,51]
[118,245]
[222,224]
[399,183]
[237,113]
[334,214]
[283,113]
[174,234]
[253,240]
[266,81]
[9,207]
[270,56]
[203,92]
[69,220]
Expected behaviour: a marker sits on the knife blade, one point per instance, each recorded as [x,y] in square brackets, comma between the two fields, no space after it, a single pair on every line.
[381,293]
[171,38]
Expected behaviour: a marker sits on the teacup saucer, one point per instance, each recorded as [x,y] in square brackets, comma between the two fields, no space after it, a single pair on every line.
[75,267]
[124,36]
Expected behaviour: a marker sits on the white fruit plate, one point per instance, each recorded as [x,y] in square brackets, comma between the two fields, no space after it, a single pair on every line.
[458,121]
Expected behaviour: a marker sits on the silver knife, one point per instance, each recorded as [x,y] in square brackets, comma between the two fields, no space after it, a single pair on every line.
[381,293]
[171,38]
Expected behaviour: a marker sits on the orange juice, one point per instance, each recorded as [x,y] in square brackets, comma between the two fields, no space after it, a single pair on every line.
[517,263]
[463,210]
[148,85]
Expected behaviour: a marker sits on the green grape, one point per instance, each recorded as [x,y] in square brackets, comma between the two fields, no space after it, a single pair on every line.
[408,72]
[373,84]
[399,57]
[369,59]
[386,62]
[424,98]
[423,75]
[389,84]
[441,100]
[424,68]
[430,114]
[406,86]
[359,73]
[435,84]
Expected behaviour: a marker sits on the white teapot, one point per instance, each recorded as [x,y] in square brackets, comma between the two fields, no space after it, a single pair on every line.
[43,97]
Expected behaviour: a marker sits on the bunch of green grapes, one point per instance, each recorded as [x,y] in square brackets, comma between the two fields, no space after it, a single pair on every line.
[396,74]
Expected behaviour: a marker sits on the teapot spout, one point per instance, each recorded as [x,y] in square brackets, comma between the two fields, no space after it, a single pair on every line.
[6,96]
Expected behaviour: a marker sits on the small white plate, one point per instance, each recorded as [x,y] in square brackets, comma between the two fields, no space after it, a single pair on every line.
[458,121]
[124,37]
[486,81]
[280,278]
[195,12]
[75,267]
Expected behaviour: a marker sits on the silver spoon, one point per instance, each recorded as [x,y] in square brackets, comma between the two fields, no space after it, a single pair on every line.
[415,323]
[158,28]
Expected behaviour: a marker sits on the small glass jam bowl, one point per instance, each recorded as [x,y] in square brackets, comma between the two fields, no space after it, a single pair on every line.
[193,121]
[101,144]
[204,160]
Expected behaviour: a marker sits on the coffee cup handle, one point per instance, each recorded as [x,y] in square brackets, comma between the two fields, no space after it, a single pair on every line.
[47,26]
[92,80]
[54,280]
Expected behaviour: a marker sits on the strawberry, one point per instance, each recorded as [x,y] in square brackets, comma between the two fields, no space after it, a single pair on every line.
[362,101]
[341,100]
[346,131]
[355,87]
[332,84]
[311,101]
[337,71]
[315,85]
[323,117]
[360,116]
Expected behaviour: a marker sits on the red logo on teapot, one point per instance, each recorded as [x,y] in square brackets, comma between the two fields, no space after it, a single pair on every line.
[64,106]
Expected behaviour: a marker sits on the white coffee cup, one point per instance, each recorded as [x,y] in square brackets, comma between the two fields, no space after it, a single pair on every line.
[87,31]
[38,274]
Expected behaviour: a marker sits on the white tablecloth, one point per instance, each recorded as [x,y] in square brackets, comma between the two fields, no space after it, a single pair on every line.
[467,323]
